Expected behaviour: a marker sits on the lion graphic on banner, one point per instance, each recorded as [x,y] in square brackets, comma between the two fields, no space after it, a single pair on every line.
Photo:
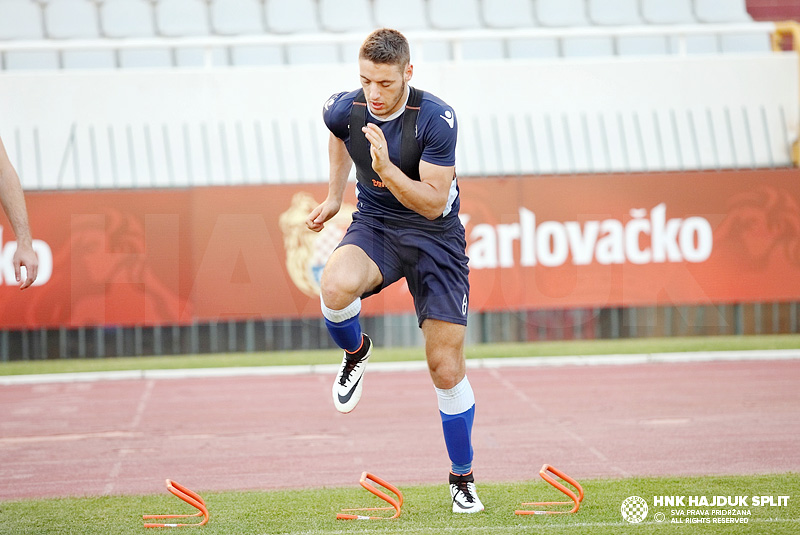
[307,251]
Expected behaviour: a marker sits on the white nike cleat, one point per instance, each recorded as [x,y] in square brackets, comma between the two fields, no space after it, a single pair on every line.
[349,381]
[462,490]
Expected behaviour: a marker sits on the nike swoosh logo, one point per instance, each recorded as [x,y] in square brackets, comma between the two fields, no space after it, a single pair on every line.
[345,399]
[459,504]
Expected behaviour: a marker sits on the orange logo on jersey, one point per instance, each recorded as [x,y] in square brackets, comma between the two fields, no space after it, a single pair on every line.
[378,183]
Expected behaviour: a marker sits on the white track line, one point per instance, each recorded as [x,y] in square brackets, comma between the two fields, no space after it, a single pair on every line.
[491,363]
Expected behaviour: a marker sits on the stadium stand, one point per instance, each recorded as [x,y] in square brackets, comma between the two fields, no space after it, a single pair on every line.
[211,118]
[312,30]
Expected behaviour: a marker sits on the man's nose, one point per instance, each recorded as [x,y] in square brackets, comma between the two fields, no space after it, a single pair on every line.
[374,92]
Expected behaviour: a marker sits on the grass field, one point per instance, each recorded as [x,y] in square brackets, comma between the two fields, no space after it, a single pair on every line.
[426,510]
[284,358]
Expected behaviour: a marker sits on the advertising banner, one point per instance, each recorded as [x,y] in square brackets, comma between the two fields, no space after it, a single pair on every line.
[177,256]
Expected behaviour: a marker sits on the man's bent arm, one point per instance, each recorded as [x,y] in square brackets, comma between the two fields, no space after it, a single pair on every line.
[13,200]
[340,165]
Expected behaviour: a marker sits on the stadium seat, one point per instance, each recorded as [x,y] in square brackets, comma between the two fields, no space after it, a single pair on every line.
[76,19]
[257,55]
[721,11]
[560,13]
[566,13]
[507,13]
[127,18]
[533,48]
[346,15]
[626,13]
[454,14]
[668,11]
[146,58]
[176,18]
[21,19]
[408,15]
[70,19]
[237,17]
[614,12]
[290,16]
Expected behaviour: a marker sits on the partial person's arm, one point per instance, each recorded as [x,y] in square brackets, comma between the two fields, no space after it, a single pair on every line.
[13,201]
[428,197]
[340,165]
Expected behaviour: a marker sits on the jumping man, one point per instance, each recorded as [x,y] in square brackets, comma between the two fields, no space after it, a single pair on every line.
[402,141]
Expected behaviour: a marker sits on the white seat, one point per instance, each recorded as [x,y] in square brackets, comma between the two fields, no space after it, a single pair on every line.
[127,18]
[88,59]
[404,16]
[533,48]
[668,11]
[68,19]
[312,54]
[148,58]
[507,13]
[561,13]
[175,18]
[289,16]
[614,12]
[346,15]
[33,60]
[21,19]
[197,57]
[257,55]
[566,13]
[642,45]
[622,13]
[454,14]
[721,11]
[745,43]
[483,49]
[237,17]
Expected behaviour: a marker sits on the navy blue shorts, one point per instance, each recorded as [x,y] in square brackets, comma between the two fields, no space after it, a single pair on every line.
[434,264]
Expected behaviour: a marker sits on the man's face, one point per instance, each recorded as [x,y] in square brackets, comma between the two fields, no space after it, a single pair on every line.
[384,86]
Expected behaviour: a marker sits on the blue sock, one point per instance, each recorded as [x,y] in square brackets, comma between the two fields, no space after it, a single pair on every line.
[457,409]
[344,326]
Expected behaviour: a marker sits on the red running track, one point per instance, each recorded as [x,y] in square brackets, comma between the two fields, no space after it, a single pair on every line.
[126,437]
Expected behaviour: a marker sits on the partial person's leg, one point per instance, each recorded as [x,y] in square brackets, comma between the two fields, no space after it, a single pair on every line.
[348,274]
[444,348]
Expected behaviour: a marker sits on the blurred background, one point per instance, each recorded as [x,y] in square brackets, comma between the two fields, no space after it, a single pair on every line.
[627,168]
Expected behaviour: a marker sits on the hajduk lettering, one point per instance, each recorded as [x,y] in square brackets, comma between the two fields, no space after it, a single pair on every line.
[647,238]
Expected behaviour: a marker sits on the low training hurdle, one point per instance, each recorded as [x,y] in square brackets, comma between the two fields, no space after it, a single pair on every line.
[190,497]
[394,503]
[576,499]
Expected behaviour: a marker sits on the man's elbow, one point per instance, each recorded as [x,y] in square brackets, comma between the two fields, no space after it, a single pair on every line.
[434,212]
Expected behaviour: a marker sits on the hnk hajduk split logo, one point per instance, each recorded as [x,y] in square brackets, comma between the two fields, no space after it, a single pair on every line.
[634,509]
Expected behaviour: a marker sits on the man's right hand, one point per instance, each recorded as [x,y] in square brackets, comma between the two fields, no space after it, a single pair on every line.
[321,214]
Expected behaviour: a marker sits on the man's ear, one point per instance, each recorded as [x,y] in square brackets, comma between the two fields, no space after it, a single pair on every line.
[409,72]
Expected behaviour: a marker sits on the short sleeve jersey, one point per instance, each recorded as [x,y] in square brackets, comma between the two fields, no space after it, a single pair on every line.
[436,133]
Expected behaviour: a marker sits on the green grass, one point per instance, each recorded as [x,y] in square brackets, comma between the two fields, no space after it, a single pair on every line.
[283,358]
[426,510]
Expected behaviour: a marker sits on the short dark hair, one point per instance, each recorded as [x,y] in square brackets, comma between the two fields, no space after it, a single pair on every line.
[386,46]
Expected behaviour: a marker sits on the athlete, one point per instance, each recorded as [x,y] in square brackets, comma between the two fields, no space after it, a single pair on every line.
[13,202]
[402,141]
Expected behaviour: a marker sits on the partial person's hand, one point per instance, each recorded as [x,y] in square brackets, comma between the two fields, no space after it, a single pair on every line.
[378,148]
[25,256]
[321,214]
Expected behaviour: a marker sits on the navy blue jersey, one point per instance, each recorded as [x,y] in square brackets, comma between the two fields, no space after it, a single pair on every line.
[436,133]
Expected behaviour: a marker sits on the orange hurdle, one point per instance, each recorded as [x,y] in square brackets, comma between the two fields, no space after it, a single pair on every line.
[190,497]
[394,503]
[576,499]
